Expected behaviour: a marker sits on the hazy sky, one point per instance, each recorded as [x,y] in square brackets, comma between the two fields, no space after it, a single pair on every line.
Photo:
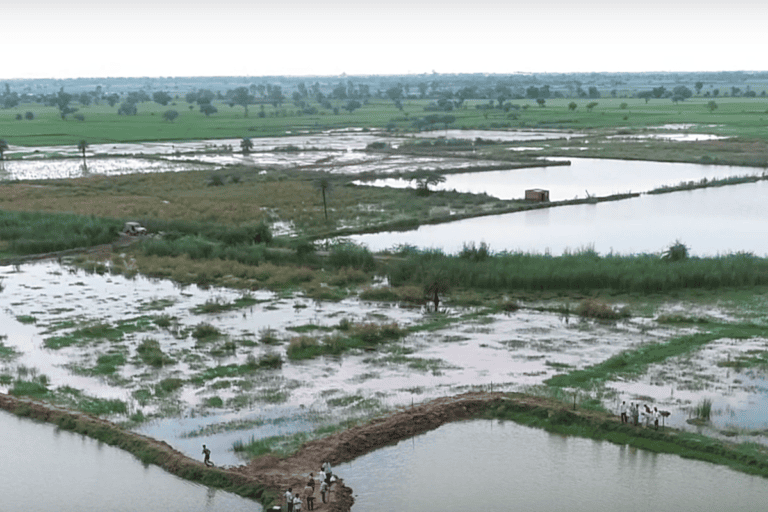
[95,38]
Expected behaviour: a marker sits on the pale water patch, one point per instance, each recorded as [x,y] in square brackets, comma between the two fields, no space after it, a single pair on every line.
[709,221]
[51,469]
[593,176]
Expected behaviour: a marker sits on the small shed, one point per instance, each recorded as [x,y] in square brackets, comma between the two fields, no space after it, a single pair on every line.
[537,194]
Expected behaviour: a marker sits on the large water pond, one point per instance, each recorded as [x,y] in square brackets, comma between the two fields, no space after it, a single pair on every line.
[50,469]
[593,176]
[710,221]
[501,466]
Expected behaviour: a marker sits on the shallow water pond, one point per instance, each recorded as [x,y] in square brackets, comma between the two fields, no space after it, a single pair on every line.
[503,351]
[593,176]
[709,221]
[501,466]
[51,469]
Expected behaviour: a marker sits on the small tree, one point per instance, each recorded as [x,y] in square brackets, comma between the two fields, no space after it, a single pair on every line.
[3,147]
[246,145]
[170,115]
[426,179]
[242,96]
[572,106]
[541,102]
[161,97]
[208,109]
[712,105]
[82,146]
[591,105]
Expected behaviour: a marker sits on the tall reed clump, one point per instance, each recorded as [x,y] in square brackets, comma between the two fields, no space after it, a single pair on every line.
[350,255]
[703,409]
[35,232]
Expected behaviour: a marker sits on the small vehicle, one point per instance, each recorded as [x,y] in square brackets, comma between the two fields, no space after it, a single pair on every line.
[134,229]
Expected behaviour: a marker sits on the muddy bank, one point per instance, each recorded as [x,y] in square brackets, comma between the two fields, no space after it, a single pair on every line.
[146,449]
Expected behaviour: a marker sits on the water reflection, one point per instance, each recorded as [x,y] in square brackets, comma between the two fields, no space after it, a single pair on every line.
[486,465]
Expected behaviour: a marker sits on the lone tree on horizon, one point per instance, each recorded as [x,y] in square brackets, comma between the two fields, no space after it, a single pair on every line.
[3,147]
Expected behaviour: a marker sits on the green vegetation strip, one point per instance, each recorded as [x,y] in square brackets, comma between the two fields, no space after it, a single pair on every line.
[476,268]
[147,450]
[635,361]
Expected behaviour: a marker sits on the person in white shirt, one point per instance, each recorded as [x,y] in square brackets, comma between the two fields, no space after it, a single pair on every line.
[656,416]
[324,492]
[623,412]
[297,503]
[289,500]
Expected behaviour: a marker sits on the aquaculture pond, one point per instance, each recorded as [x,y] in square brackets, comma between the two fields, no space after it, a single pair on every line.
[593,176]
[51,469]
[709,221]
[87,335]
[500,466]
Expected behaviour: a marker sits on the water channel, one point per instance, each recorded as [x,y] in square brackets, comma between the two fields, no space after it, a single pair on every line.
[501,466]
[51,469]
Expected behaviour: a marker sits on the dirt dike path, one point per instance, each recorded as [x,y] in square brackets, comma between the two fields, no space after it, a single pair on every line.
[266,478]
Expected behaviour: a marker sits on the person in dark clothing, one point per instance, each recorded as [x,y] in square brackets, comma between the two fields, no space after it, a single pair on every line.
[207,457]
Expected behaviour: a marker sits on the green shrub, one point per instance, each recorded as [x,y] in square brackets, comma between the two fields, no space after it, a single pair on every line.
[150,353]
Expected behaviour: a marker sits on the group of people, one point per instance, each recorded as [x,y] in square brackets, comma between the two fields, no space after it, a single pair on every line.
[634,411]
[294,502]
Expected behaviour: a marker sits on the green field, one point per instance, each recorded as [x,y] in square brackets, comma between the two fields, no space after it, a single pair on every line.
[746,118]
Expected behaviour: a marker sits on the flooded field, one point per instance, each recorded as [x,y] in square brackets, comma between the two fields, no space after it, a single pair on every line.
[709,221]
[593,176]
[206,394]
[732,374]
[339,152]
[500,466]
[52,469]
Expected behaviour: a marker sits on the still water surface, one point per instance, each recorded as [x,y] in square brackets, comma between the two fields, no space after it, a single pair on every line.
[54,470]
[709,221]
[502,466]
[593,176]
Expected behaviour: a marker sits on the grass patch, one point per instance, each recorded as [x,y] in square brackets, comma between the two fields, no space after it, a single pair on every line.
[26,319]
[150,353]
[99,331]
[591,308]
[364,335]
[204,332]
[218,306]
[636,361]
[267,361]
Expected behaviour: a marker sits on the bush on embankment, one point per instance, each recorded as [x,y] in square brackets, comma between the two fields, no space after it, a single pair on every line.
[645,273]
